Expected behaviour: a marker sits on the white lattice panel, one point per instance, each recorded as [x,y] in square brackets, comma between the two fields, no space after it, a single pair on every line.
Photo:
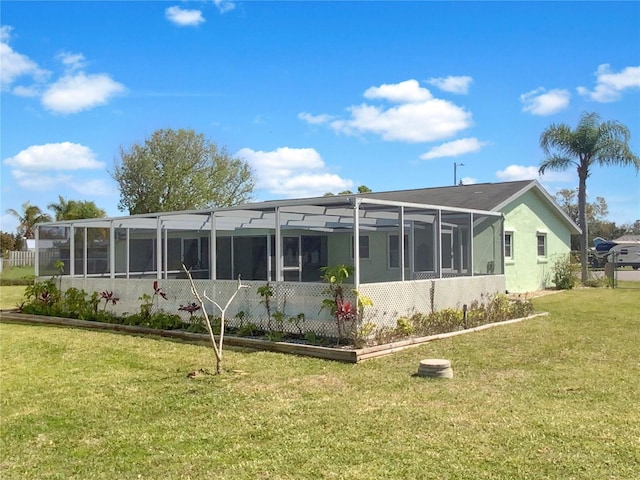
[391,300]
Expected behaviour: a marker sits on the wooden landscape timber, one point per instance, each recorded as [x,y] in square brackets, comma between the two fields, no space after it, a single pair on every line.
[340,354]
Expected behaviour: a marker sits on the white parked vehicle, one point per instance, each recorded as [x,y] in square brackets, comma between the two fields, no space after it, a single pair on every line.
[625,255]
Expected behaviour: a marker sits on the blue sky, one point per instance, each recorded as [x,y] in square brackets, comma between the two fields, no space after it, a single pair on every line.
[316,96]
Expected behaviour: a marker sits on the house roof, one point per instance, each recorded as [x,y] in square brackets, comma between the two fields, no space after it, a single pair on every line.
[334,211]
[482,196]
[628,238]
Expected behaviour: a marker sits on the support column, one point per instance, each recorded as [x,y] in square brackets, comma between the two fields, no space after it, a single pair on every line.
[278,235]
[401,244]
[356,243]
[158,248]
[471,261]
[85,253]
[112,250]
[213,260]
[72,250]
[37,260]
[439,244]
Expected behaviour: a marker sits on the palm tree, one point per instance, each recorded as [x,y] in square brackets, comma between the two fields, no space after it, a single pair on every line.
[30,216]
[592,142]
[75,209]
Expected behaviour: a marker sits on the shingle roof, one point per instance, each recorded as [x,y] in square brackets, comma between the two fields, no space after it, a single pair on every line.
[480,196]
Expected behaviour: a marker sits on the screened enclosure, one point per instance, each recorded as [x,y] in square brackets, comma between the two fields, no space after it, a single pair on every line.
[278,241]
[395,248]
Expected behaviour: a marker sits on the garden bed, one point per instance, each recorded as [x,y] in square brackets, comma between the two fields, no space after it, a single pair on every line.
[338,353]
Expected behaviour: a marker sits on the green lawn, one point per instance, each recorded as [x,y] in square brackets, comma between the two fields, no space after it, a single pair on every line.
[10,296]
[555,397]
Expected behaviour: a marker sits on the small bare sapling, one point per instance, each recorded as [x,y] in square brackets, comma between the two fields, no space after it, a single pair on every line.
[217,346]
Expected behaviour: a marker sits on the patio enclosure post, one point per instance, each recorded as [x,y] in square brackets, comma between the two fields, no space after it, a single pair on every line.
[439,244]
[37,260]
[356,243]
[213,260]
[278,235]
[158,248]
[72,250]
[401,240]
[112,250]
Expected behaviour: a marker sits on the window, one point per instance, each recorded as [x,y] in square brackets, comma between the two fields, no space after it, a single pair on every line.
[542,244]
[364,246]
[394,251]
[508,245]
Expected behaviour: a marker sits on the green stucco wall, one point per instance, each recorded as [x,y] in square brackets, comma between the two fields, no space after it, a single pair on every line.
[528,215]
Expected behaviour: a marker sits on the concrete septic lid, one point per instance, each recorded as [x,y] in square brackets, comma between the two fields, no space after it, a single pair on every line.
[435,363]
[435,367]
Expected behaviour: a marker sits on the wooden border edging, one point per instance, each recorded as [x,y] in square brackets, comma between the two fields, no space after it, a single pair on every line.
[338,354]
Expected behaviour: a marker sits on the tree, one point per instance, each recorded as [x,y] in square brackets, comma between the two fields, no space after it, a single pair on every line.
[217,347]
[28,218]
[7,242]
[361,189]
[179,170]
[75,209]
[592,142]
[596,211]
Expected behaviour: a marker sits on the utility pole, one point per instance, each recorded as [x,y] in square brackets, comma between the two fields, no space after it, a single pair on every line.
[455,172]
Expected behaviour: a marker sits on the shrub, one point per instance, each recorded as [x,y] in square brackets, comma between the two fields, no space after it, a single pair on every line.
[565,272]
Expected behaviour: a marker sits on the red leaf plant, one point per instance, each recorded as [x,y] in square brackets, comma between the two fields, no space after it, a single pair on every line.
[158,291]
[190,307]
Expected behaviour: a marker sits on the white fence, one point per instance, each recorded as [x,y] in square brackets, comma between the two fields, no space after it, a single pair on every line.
[21,259]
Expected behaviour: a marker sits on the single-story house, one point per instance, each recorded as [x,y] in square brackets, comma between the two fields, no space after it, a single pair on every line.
[536,230]
[411,251]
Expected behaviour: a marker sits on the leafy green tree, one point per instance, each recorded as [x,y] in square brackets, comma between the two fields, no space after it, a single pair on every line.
[7,242]
[361,189]
[75,209]
[568,201]
[592,143]
[180,170]
[28,218]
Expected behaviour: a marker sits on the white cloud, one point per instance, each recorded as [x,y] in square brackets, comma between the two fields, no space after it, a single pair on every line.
[521,172]
[5,33]
[540,102]
[35,181]
[452,84]
[517,172]
[78,92]
[31,91]
[72,61]
[454,149]
[224,5]
[610,85]
[468,180]
[74,92]
[184,18]
[293,172]
[94,187]
[54,156]
[315,119]
[408,91]
[418,117]
[16,65]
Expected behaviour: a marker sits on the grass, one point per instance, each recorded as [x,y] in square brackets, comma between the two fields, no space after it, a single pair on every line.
[17,275]
[553,397]
[10,296]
